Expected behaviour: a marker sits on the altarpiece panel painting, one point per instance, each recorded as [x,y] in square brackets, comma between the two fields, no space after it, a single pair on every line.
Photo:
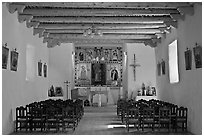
[98,66]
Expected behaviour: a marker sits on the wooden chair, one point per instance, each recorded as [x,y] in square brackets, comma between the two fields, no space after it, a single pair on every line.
[181,119]
[37,119]
[148,117]
[124,109]
[132,118]
[69,119]
[52,118]
[22,119]
[165,117]
[173,115]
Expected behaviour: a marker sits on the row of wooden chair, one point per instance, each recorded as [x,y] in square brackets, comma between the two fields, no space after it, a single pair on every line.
[49,114]
[152,113]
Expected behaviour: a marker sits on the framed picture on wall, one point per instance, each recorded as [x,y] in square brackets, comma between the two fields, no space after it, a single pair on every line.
[39,68]
[14,60]
[45,70]
[188,59]
[58,91]
[5,53]
[159,69]
[198,56]
[163,67]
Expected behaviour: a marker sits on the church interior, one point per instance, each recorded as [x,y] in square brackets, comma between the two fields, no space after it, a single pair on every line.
[102,68]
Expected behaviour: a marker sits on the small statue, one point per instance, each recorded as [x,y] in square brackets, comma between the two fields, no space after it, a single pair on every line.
[52,91]
[143,89]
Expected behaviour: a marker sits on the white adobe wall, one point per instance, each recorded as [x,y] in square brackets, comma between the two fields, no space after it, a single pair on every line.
[16,90]
[188,92]
[61,66]
[146,73]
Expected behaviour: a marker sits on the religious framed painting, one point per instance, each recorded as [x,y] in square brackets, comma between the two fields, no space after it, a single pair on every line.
[39,68]
[188,59]
[163,67]
[198,56]
[14,60]
[58,91]
[81,55]
[45,70]
[89,55]
[114,55]
[159,69]
[5,53]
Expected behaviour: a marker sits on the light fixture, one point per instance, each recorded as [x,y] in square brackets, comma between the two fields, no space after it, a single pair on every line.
[92,31]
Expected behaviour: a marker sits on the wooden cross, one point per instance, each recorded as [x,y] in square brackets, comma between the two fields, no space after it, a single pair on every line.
[134,65]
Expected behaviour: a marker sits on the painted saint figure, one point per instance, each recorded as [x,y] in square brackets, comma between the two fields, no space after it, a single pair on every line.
[83,73]
[97,71]
[81,56]
[114,55]
[114,74]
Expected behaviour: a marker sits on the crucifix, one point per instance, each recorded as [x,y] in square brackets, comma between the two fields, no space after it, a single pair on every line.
[134,65]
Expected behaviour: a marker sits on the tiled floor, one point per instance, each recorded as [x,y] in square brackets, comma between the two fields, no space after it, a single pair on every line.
[102,121]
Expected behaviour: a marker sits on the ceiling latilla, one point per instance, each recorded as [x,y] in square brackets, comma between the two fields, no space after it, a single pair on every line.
[101,22]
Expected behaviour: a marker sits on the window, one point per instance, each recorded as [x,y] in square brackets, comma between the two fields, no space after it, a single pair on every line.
[173,62]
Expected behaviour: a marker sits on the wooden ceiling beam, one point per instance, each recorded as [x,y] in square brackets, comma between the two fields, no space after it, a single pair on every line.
[173,24]
[135,31]
[158,40]
[22,18]
[111,36]
[52,43]
[161,35]
[100,25]
[97,12]
[32,24]
[177,16]
[135,19]
[150,43]
[186,10]
[107,4]
[47,39]
[38,31]
[15,7]
[65,19]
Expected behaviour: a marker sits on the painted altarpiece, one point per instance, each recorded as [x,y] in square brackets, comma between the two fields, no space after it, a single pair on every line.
[98,66]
